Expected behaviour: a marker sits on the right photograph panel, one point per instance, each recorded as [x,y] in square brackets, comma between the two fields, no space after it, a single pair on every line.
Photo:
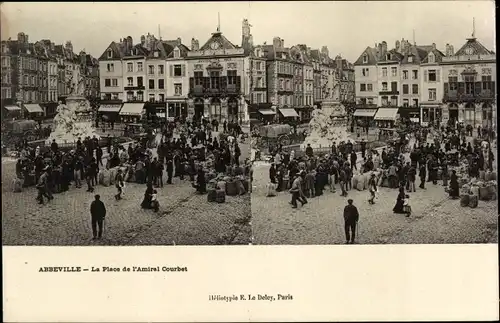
[395,147]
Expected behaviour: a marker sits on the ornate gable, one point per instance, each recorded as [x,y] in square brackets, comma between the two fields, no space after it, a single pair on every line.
[473,47]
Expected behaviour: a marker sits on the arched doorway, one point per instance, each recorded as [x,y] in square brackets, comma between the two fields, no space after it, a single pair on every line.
[233,110]
[199,108]
[487,110]
[215,109]
[453,113]
[469,114]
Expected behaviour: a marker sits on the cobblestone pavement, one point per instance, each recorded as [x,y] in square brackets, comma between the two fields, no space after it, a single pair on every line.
[184,217]
[435,218]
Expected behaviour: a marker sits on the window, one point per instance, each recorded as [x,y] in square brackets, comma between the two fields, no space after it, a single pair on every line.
[388,56]
[198,78]
[139,81]
[161,84]
[432,94]
[107,82]
[406,103]
[394,101]
[259,98]
[177,70]
[258,66]
[214,79]
[130,81]
[281,84]
[114,82]
[431,58]
[405,75]
[453,83]
[110,53]
[370,100]
[139,67]
[414,75]
[156,54]
[487,85]
[394,86]
[410,59]
[140,96]
[415,102]
[178,88]
[161,69]
[362,87]
[366,71]
[130,67]
[469,84]
[161,97]
[384,71]
[405,89]
[369,87]
[151,84]
[151,69]
[414,88]
[151,98]
[385,100]
[365,58]
[111,67]
[115,96]
[384,86]
[394,71]
[432,77]
[231,77]
[177,53]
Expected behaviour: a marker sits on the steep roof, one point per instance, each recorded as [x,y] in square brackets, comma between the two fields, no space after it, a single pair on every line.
[183,51]
[268,51]
[437,54]
[474,47]
[115,48]
[371,54]
[395,56]
[221,40]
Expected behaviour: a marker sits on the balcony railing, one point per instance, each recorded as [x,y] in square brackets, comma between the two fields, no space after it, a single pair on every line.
[389,92]
[135,87]
[215,86]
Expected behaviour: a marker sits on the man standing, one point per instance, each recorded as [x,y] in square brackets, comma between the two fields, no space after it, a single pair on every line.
[351,217]
[98,214]
[43,187]
[119,184]
[296,190]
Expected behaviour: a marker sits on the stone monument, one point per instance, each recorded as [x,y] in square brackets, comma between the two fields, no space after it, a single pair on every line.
[328,125]
[73,119]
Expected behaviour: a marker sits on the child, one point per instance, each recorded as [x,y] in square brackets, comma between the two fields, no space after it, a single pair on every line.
[155,205]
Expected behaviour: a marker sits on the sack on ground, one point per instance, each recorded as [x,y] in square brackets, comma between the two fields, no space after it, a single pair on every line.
[112,174]
[232,188]
[221,185]
[474,190]
[241,187]
[484,193]
[271,190]
[17,184]
[473,201]
[355,181]
[212,195]
[464,200]
[220,196]
[360,185]
[106,180]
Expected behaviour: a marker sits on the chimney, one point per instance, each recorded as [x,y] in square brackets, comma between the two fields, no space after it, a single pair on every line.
[277,42]
[143,40]
[282,43]
[379,50]
[52,46]
[69,46]
[433,45]
[338,62]
[384,48]
[447,49]
[179,41]
[452,50]
[324,51]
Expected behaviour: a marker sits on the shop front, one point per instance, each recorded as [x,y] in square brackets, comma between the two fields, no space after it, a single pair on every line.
[431,114]
[33,111]
[11,112]
[288,114]
[305,113]
[109,111]
[267,114]
[132,112]
[409,114]
[156,112]
[386,117]
[50,109]
[177,108]
[364,117]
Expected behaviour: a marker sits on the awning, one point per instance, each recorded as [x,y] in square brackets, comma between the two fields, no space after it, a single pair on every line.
[160,114]
[132,109]
[417,120]
[365,113]
[289,113]
[110,108]
[266,112]
[12,108]
[386,114]
[33,108]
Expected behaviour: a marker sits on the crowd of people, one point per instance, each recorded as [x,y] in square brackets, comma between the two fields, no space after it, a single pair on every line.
[180,152]
[398,166]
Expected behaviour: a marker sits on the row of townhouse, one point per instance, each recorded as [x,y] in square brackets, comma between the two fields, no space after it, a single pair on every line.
[36,76]
[427,84]
[218,80]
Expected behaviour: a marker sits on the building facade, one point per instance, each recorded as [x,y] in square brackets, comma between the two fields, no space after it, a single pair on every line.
[216,73]
[367,77]
[469,85]
[431,87]
[177,77]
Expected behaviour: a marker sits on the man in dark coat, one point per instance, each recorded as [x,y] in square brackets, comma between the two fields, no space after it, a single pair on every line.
[351,217]
[98,214]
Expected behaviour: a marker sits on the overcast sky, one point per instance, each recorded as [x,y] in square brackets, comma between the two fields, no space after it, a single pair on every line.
[347,28]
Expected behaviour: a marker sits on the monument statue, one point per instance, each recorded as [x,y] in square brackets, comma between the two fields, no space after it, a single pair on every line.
[72,119]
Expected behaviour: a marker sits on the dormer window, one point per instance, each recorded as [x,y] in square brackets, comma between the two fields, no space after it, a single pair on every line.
[365,58]
[156,54]
[431,58]
[177,53]
[410,59]
[110,53]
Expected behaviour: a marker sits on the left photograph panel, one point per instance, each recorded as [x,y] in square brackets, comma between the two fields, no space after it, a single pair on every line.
[117,145]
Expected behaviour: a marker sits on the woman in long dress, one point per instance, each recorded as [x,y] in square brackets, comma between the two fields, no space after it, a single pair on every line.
[454,191]
[399,207]
[148,195]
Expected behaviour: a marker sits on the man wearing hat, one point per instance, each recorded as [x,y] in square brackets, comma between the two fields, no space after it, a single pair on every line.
[98,214]
[119,184]
[351,217]
[43,186]
[372,187]
[296,190]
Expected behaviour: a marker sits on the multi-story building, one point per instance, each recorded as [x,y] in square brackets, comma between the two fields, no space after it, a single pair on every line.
[89,70]
[431,86]
[177,77]
[317,59]
[257,77]
[8,93]
[215,74]
[366,77]
[389,79]
[111,86]
[469,85]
